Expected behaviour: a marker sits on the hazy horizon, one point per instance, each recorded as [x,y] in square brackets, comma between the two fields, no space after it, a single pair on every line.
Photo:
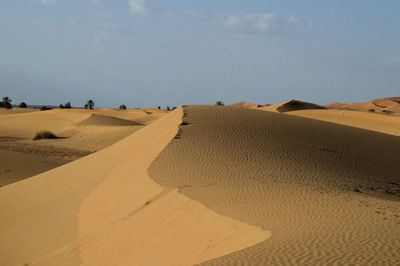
[150,52]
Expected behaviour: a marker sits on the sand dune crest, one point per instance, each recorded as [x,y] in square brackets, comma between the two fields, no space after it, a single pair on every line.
[104,209]
[104,120]
[328,193]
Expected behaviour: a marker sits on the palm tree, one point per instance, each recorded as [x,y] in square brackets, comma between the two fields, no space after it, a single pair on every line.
[219,103]
[89,104]
[6,103]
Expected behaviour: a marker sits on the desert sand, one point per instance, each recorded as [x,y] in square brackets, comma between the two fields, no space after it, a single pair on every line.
[291,105]
[104,209]
[353,115]
[387,124]
[328,193]
[205,185]
[383,105]
[81,132]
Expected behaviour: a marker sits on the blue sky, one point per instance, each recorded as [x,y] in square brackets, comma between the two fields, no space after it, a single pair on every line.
[153,52]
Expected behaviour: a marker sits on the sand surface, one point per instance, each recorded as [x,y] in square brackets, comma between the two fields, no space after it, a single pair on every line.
[387,124]
[328,193]
[15,166]
[82,132]
[104,209]
[288,106]
[389,106]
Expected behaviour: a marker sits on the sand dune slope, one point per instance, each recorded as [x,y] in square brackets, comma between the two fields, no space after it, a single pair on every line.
[104,209]
[366,120]
[103,120]
[82,132]
[328,193]
[25,125]
[385,105]
[244,104]
[292,105]
[16,111]
[134,115]
[295,105]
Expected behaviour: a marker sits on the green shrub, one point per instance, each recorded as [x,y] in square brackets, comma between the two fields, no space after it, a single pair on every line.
[45,135]
[45,108]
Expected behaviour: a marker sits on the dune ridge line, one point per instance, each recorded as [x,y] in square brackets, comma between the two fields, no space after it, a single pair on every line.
[328,192]
[104,209]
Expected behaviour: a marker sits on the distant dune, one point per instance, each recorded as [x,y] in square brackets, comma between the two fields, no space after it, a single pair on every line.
[244,104]
[369,114]
[104,120]
[292,105]
[383,105]
[295,105]
[320,188]
[366,120]
[82,132]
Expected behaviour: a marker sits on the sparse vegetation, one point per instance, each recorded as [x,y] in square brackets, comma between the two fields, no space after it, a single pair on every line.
[89,104]
[45,135]
[67,105]
[219,103]
[23,105]
[6,103]
[169,108]
[122,107]
[387,112]
[45,108]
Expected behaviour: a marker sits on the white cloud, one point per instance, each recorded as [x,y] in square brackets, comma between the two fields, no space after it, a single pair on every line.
[138,7]
[243,24]
[47,2]
[262,23]
[104,32]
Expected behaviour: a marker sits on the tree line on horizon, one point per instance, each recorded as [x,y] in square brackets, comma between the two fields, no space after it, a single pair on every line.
[7,104]
[90,104]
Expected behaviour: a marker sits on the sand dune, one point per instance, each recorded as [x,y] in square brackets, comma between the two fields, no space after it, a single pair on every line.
[235,186]
[104,120]
[244,104]
[289,106]
[82,132]
[134,115]
[366,120]
[104,209]
[15,166]
[16,111]
[328,193]
[25,125]
[295,105]
[383,105]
